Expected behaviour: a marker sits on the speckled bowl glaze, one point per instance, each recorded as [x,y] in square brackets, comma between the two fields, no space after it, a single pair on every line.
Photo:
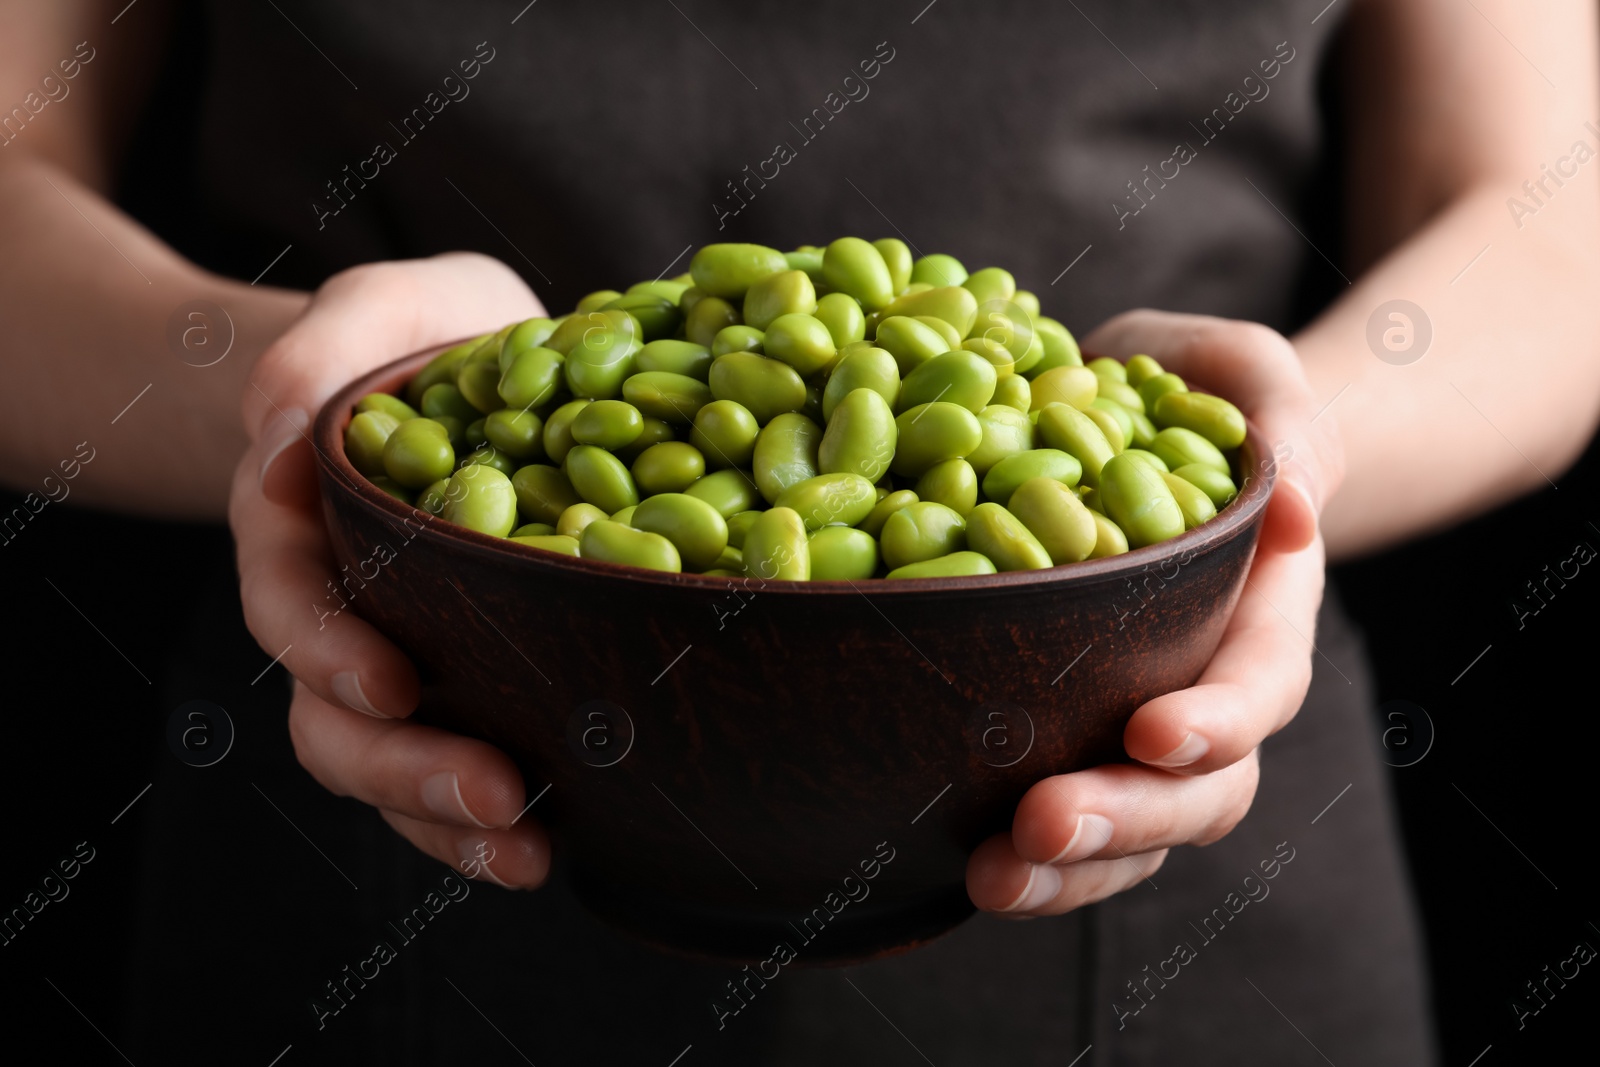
[736,765]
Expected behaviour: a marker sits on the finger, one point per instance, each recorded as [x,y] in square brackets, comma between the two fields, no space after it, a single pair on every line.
[999,880]
[297,611]
[1115,811]
[1254,684]
[1259,370]
[375,313]
[418,771]
[516,858]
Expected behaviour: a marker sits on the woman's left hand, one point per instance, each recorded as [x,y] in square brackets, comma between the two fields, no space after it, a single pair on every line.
[1078,838]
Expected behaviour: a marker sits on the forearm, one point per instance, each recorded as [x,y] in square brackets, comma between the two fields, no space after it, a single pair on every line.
[1508,391]
[87,294]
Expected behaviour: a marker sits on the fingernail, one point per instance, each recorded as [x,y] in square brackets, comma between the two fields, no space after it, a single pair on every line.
[1194,746]
[471,852]
[441,794]
[279,433]
[1092,835]
[1044,882]
[347,687]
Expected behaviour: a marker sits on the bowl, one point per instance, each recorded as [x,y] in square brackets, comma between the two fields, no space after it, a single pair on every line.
[729,766]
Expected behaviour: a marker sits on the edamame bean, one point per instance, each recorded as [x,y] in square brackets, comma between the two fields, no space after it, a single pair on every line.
[866,367]
[776,295]
[479,384]
[668,467]
[491,457]
[666,288]
[654,433]
[859,439]
[1027,301]
[524,337]
[952,483]
[921,531]
[481,498]
[802,342]
[625,516]
[729,491]
[446,399]
[455,429]
[1109,427]
[1121,415]
[1209,416]
[393,488]
[955,565]
[667,396]
[431,499]
[365,437]
[696,529]
[737,339]
[785,453]
[999,535]
[1179,447]
[709,317]
[952,303]
[910,342]
[534,529]
[1060,347]
[873,523]
[990,283]
[725,433]
[1121,393]
[607,423]
[938,269]
[842,315]
[1010,472]
[1138,501]
[389,405]
[418,453]
[518,434]
[1141,369]
[575,518]
[851,265]
[960,377]
[766,387]
[932,433]
[1055,516]
[441,368]
[1006,431]
[808,259]
[532,378]
[674,357]
[1144,431]
[730,563]
[1155,462]
[543,492]
[1064,427]
[612,542]
[729,270]
[1216,485]
[775,547]
[839,553]
[600,478]
[595,301]
[1159,385]
[897,257]
[739,524]
[1108,370]
[942,328]
[603,356]
[830,498]
[1077,386]
[1192,500]
[1014,392]
[657,316]
[1109,538]
[557,435]
[565,546]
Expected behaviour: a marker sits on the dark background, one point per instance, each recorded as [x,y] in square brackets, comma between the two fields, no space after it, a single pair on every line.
[1504,882]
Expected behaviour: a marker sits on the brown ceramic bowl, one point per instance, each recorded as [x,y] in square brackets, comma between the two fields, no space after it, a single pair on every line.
[732,766]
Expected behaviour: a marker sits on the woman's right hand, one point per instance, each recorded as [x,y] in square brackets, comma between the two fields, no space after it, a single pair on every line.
[455,798]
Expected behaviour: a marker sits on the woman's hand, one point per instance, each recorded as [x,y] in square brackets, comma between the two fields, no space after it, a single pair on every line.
[1078,838]
[452,797]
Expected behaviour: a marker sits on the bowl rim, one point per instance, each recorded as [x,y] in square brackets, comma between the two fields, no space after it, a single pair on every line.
[327,439]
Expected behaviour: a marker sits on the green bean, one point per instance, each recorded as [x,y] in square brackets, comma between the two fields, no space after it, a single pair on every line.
[1052,512]
[770,298]
[999,535]
[612,542]
[952,483]
[859,439]
[725,433]
[668,467]
[1209,416]
[481,498]
[696,529]
[365,437]
[600,478]
[830,498]
[851,265]
[785,453]
[1007,474]
[543,492]
[775,547]
[921,531]
[955,565]
[960,377]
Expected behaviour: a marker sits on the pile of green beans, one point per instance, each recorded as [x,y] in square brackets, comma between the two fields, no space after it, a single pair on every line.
[831,413]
